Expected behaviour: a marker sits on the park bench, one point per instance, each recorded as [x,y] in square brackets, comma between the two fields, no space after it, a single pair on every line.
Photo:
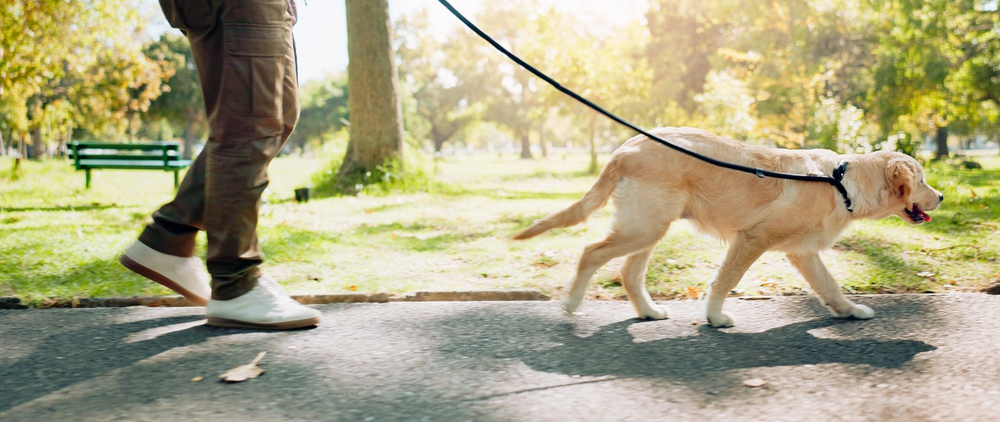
[151,156]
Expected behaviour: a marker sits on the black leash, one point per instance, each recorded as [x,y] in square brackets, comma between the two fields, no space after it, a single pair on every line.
[838,173]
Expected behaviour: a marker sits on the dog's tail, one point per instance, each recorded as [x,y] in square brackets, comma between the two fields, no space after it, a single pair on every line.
[577,213]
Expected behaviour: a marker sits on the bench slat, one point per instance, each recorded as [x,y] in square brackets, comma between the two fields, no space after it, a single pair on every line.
[137,147]
[121,164]
[134,157]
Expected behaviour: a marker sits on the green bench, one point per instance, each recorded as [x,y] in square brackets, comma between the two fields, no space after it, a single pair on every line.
[152,156]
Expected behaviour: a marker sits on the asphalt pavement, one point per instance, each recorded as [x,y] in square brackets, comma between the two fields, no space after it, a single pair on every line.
[922,358]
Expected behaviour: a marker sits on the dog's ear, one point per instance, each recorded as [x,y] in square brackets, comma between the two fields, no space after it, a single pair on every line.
[900,175]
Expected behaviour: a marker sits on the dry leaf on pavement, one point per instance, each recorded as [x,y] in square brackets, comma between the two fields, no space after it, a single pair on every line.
[244,372]
[693,292]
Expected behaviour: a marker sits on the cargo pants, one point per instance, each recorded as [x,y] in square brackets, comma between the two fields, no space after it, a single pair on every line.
[244,53]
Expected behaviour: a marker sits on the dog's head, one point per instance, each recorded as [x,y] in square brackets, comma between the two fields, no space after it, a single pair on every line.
[893,183]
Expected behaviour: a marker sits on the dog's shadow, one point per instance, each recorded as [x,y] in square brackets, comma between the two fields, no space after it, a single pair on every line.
[613,351]
[555,345]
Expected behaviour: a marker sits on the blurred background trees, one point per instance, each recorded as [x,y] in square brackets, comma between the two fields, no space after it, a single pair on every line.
[848,75]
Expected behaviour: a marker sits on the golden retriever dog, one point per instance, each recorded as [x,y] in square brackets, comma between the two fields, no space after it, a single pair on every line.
[654,185]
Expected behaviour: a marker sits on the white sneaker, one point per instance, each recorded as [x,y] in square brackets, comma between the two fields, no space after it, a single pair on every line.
[267,306]
[186,276]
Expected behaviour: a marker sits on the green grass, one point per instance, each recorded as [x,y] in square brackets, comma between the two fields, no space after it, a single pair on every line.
[59,240]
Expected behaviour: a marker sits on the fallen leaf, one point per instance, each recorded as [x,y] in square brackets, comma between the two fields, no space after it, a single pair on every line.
[196,379]
[754,382]
[352,288]
[244,372]
[693,292]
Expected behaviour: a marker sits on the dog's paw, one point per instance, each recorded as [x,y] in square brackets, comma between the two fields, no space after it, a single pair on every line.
[855,311]
[720,320]
[655,312]
[862,312]
[570,306]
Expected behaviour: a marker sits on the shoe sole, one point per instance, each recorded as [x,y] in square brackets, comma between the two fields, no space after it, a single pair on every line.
[161,279]
[287,325]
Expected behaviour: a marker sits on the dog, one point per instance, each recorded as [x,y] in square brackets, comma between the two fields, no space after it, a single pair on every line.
[653,185]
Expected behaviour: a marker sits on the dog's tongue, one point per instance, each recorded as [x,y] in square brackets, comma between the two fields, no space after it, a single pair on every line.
[921,213]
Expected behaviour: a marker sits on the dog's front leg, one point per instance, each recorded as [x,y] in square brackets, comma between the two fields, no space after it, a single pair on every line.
[826,287]
[741,254]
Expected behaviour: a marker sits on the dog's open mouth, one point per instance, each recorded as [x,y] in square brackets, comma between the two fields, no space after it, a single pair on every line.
[917,215]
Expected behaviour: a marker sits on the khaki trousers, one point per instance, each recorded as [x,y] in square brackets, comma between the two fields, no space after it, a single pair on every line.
[243,50]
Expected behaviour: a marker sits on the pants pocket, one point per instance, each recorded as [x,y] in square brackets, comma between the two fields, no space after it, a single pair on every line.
[255,68]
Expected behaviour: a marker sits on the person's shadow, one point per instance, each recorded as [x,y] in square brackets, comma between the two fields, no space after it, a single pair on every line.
[65,359]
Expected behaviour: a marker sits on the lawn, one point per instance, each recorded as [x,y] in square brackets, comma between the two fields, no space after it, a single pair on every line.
[59,240]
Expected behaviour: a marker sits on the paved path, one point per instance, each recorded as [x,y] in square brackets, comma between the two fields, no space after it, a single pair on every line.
[923,358]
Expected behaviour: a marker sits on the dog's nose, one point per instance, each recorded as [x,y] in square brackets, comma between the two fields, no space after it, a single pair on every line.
[941,197]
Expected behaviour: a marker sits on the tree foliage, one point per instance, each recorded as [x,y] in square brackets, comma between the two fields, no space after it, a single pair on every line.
[849,75]
[323,111]
[181,104]
[68,64]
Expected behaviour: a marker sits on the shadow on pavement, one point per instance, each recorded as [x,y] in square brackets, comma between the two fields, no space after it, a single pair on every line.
[713,350]
[697,358]
[71,357]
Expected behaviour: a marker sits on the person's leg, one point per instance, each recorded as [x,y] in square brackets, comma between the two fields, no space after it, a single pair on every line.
[247,68]
[176,223]
[249,128]
[257,112]
[164,251]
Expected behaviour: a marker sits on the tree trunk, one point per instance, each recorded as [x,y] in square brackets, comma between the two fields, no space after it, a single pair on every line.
[66,139]
[134,124]
[543,143]
[3,147]
[524,134]
[593,143]
[376,129]
[942,143]
[438,138]
[37,146]
[22,152]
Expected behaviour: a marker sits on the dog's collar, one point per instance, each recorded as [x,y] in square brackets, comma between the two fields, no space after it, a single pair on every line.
[838,176]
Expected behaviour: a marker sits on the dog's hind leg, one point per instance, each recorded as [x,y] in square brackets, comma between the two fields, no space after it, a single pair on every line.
[595,256]
[819,278]
[743,251]
[634,280]
[640,222]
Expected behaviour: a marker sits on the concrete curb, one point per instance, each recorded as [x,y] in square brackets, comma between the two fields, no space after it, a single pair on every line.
[9,302]
[474,295]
